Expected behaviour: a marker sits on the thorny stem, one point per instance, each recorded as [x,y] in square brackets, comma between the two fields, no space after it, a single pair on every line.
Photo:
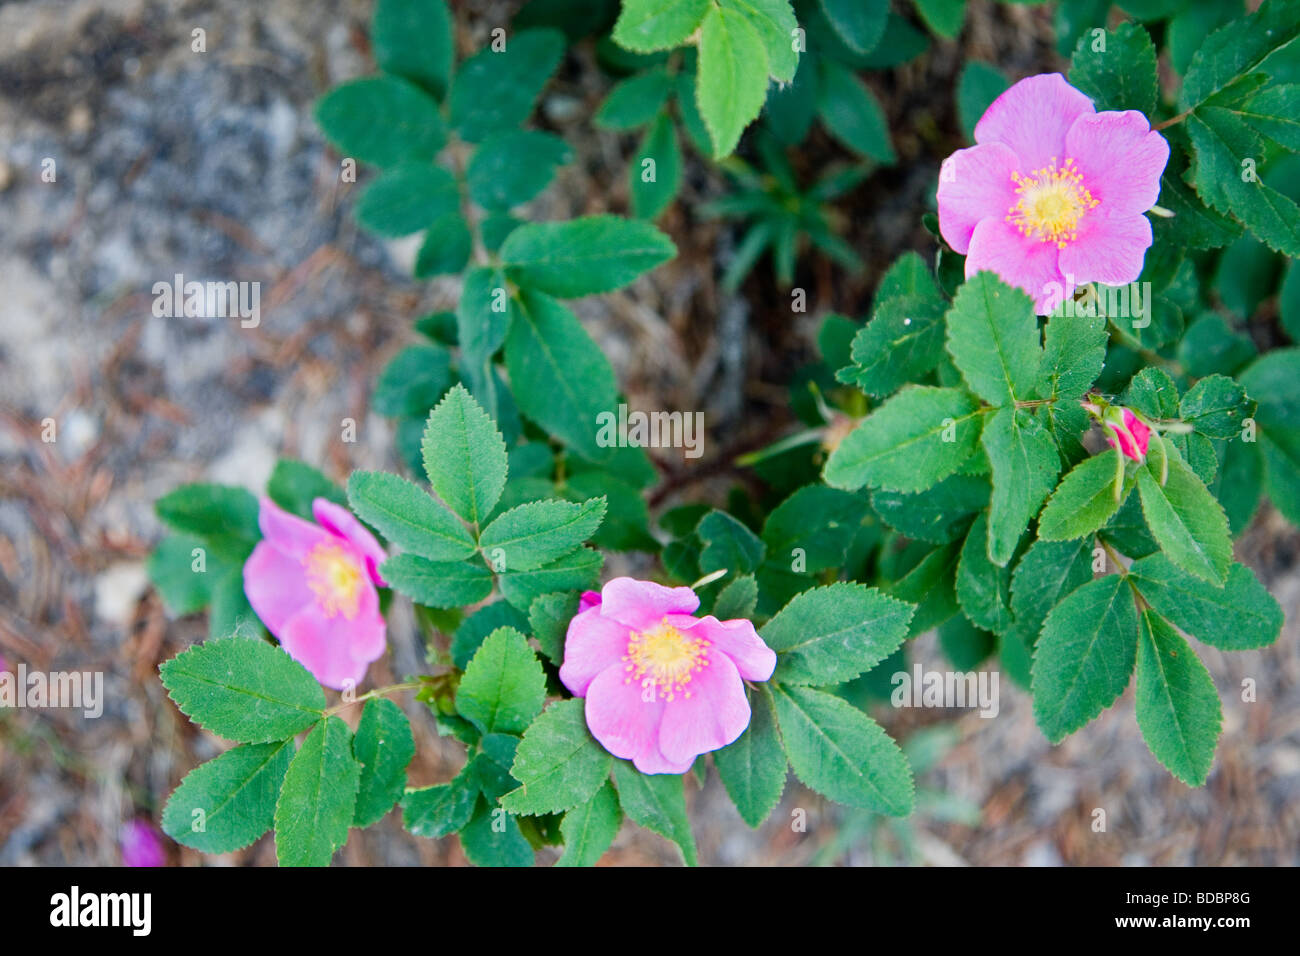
[372,694]
[1172,120]
[1113,555]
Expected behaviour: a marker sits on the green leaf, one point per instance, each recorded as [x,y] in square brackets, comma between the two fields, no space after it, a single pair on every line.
[937,515]
[383,746]
[1153,392]
[589,829]
[504,686]
[382,120]
[558,765]
[400,511]
[1241,615]
[983,588]
[1121,75]
[1223,142]
[1177,706]
[728,545]
[832,634]
[171,568]
[944,17]
[446,248]
[993,339]
[902,342]
[295,485]
[440,810]
[1025,465]
[436,583]
[656,802]
[978,85]
[635,101]
[584,256]
[319,797]
[1274,380]
[558,374]
[1186,520]
[930,585]
[775,23]
[573,572]
[655,174]
[492,838]
[842,753]
[648,25]
[1273,113]
[1194,225]
[243,690]
[753,767]
[1084,656]
[1048,572]
[513,166]
[414,39]
[538,532]
[224,517]
[732,78]
[1238,48]
[737,599]
[548,619]
[412,382]
[495,90]
[1073,355]
[1084,500]
[852,113]
[230,614]
[228,802]
[901,446]
[858,23]
[406,199]
[821,522]
[1216,406]
[464,455]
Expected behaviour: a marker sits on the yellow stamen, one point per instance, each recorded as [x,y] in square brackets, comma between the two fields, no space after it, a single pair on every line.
[335,578]
[1051,203]
[664,659]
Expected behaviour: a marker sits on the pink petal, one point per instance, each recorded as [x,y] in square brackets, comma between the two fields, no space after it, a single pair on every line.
[275,586]
[1108,250]
[626,724]
[1029,264]
[974,184]
[286,532]
[1033,117]
[335,649]
[588,600]
[341,522]
[1121,160]
[593,643]
[639,604]
[736,639]
[716,713]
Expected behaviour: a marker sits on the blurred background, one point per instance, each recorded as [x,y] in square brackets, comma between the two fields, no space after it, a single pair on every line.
[166,160]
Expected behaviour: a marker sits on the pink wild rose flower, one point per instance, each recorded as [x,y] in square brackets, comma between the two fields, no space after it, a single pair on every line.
[1052,195]
[141,845]
[662,686]
[1127,432]
[313,586]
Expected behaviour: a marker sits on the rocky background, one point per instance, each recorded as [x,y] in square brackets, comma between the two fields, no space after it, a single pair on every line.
[208,164]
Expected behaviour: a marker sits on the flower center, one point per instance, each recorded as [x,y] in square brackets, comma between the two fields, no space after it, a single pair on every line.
[1051,202]
[664,659]
[335,578]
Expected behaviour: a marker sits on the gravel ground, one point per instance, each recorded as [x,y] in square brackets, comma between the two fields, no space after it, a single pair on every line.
[168,160]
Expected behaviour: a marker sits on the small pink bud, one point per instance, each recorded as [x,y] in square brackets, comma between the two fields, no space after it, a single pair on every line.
[1128,433]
